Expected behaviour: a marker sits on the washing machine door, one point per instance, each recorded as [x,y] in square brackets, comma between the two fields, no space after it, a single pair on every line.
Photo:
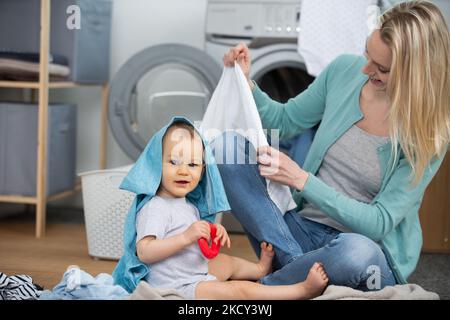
[280,71]
[153,86]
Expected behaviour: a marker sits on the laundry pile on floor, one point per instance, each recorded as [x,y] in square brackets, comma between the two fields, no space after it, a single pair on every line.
[77,284]
[18,287]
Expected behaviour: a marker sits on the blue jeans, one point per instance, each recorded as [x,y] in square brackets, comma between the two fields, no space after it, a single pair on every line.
[349,259]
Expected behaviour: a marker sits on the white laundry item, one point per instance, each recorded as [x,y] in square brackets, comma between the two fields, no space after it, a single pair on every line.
[232,108]
[329,28]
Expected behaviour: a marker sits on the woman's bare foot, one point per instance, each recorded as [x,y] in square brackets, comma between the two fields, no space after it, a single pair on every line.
[265,259]
[315,283]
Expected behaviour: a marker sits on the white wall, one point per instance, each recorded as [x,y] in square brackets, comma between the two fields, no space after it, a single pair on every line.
[136,24]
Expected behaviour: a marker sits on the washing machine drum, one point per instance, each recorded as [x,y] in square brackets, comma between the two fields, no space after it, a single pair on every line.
[153,86]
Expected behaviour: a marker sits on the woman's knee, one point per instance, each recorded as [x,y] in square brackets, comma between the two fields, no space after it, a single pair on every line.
[358,253]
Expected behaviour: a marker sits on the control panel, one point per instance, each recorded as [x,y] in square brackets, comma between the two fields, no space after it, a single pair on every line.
[253,19]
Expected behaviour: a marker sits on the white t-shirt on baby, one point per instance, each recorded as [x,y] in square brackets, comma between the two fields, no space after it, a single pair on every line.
[164,218]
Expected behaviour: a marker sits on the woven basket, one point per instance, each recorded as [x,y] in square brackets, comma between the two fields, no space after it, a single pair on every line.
[105,209]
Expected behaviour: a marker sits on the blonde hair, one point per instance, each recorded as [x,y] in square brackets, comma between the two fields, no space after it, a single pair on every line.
[419,83]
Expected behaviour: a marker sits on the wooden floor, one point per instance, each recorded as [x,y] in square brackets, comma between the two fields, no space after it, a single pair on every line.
[65,244]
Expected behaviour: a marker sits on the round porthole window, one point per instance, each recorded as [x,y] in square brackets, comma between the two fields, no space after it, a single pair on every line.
[153,86]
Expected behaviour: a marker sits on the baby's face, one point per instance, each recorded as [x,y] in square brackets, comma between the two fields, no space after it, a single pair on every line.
[182,165]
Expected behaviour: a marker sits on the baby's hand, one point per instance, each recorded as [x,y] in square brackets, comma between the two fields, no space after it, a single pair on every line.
[222,235]
[197,230]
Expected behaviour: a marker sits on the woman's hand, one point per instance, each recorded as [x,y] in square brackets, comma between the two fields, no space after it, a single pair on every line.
[241,54]
[197,230]
[277,166]
[222,235]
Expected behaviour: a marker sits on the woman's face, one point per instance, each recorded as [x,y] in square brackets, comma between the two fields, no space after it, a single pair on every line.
[182,165]
[379,59]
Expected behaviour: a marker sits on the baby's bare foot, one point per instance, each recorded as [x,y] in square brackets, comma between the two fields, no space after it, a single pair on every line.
[265,259]
[316,281]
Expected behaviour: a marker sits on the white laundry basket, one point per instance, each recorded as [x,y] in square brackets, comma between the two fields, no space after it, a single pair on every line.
[105,209]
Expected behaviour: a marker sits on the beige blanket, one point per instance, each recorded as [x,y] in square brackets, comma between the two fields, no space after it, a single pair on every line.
[398,292]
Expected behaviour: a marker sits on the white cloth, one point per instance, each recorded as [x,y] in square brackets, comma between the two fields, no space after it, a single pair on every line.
[329,28]
[232,108]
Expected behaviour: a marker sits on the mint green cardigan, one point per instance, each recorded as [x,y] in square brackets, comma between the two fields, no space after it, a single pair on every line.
[392,218]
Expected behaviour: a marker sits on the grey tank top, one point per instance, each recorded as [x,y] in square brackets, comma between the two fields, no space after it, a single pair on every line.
[350,166]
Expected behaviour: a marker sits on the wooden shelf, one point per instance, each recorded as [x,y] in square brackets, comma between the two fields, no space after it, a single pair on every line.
[65,194]
[33,200]
[18,199]
[42,89]
[51,85]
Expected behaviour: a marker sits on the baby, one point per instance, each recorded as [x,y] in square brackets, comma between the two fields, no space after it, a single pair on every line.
[168,227]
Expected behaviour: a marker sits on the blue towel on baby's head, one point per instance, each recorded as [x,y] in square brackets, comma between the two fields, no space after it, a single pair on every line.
[143,179]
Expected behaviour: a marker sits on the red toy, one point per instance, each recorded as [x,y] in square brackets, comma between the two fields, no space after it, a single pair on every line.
[213,251]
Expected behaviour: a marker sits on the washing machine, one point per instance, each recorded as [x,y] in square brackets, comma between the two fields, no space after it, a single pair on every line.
[156,84]
[270,30]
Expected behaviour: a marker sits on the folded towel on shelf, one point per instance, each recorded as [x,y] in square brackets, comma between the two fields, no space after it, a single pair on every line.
[32,57]
[11,69]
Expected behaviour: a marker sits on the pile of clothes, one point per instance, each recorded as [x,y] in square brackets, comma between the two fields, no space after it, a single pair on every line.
[18,287]
[77,284]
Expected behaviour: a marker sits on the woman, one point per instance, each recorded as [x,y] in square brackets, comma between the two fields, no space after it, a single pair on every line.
[383,134]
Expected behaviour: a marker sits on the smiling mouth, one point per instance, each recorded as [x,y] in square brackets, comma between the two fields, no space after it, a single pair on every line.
[182,182]
[376,81]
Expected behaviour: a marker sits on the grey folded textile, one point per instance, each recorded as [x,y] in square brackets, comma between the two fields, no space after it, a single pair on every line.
[32,57]
[397,292]
[24,70]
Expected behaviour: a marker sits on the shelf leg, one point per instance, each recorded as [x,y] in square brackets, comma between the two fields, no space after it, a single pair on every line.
[42,119]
